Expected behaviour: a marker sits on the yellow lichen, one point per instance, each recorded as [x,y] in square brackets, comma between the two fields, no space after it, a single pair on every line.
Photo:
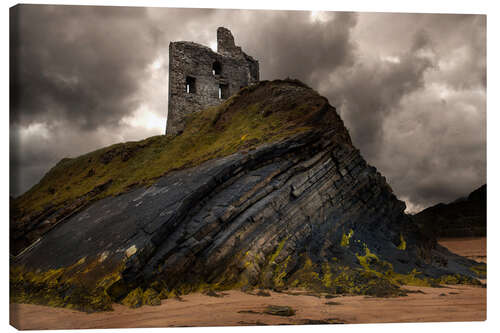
[70,287]
[410,279]
[81,261]
[480,270]
[281,273]
[346,238]
[367,258]
[103,256]
[402,244]
[134,299]
[327,275]
[278,250]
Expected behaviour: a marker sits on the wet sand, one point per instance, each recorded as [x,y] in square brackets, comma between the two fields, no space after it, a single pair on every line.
[450,303]
[472,248]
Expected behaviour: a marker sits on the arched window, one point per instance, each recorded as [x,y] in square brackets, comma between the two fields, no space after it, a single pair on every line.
[216,68]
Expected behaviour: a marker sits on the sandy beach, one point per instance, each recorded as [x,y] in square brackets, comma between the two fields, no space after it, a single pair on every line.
[449,303]
[472,248]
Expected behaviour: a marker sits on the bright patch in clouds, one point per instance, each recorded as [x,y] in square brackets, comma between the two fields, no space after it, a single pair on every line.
[391,59]
[157,64]
[33,130]
[145,118]
[213,45]
[319,16]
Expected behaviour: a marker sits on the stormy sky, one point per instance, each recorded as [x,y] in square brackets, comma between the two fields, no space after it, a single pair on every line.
[411,88]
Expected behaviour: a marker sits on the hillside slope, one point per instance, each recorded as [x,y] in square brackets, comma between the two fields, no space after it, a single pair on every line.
[259,114]
[264,191]
[462,218]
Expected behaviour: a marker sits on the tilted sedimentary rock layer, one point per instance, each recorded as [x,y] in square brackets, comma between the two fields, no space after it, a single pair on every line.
[304,211]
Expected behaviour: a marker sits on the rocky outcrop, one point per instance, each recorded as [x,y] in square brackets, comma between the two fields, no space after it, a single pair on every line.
[464,217]
[302,211]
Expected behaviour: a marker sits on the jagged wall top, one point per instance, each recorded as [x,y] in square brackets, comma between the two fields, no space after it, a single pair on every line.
[225,43]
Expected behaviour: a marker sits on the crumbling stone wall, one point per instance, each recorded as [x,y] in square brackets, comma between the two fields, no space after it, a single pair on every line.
[200,77]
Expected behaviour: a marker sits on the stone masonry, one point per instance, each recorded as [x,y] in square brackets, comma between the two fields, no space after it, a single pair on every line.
[200,77]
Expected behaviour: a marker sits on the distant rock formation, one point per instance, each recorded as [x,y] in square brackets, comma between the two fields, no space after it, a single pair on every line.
[272,194]
[464,217]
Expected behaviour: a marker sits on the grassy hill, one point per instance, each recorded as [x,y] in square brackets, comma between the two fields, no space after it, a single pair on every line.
[242,122]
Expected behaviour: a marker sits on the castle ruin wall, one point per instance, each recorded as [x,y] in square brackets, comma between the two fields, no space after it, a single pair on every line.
[200,78]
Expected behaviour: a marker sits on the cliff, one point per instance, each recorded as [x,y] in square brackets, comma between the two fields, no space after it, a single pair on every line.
[464,217]
[263,191]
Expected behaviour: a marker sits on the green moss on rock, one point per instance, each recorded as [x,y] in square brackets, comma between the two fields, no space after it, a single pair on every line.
[73,287]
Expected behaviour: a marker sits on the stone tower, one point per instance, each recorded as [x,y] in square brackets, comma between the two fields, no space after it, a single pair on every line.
[199,77]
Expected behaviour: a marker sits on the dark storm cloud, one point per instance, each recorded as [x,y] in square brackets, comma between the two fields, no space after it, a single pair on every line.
[291,44]
[411,88]
[434,148]
[461,43]
[432,140]
[369,92]
[78,64]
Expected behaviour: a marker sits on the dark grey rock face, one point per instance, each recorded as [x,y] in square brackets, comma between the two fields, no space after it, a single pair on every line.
[212,76]
[250,219]
[462,218]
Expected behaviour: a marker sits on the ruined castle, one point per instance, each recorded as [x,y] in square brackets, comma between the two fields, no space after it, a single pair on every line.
[199,77]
